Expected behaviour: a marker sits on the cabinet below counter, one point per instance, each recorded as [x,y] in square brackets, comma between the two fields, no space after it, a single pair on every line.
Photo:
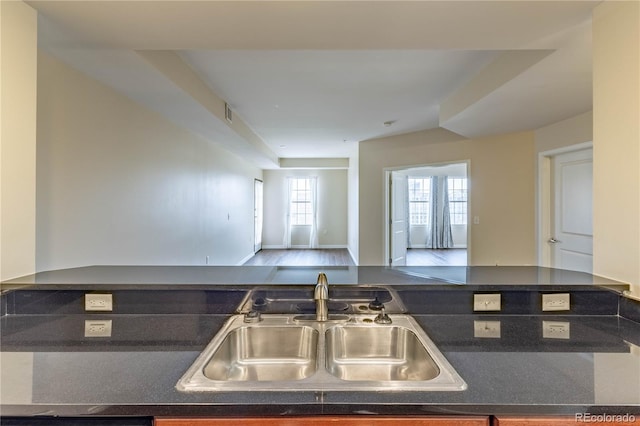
[329,421]
[609,420]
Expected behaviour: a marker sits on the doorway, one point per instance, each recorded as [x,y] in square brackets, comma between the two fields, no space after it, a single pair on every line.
[565,238]
[258,215]
[426,213]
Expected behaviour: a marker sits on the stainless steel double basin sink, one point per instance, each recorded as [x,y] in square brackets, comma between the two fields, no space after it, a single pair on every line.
[285,352]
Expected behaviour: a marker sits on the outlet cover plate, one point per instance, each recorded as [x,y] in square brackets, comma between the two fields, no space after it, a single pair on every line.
[556,302]
[98,302]
[486,329]
[98,328]
[556,330]
[486,302]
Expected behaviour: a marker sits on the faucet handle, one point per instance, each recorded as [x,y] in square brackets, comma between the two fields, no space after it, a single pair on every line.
[376,304]
[382,318]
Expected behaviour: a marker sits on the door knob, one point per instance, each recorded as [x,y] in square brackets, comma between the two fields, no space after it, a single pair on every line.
[553,240]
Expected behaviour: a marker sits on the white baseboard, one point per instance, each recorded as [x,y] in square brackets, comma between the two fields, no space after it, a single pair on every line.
[424,246]
[300,247]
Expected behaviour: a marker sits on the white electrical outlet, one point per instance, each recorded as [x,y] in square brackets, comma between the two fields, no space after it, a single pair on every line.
[97,328]
[556,302]
[98,302]
[486,329]
[486,302]
[556,330]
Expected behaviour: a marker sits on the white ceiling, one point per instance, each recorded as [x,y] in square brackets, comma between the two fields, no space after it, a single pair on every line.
[311,78]
[318,99]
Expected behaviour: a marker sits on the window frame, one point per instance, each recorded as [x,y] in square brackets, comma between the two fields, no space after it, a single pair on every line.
[297,202]
[425,202]
[456,216]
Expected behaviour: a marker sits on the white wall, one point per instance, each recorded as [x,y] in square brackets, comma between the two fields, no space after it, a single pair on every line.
[18,68]
[119,184]
[501,184]
[616,141]
[332,208]
[572,131]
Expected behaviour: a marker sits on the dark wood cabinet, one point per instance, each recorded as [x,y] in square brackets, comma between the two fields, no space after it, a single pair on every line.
[610,420]
[328,421]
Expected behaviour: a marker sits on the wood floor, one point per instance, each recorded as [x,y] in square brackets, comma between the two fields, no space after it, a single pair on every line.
[306,257]
[341,257]
[436,257]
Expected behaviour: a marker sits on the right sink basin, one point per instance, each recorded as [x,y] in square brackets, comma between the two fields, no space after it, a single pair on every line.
[385,353]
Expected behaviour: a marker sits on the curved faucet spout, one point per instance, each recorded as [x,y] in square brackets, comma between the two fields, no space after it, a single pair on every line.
[321,296]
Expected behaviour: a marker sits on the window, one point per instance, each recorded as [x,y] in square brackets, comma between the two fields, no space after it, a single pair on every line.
[458,200]
[419,194]
[301,211]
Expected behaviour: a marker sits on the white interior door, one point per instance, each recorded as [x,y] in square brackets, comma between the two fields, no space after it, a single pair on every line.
[257,215]
[572,231]
[398,219]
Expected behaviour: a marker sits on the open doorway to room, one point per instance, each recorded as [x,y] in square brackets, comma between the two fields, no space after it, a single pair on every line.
[427,212]
[258,214]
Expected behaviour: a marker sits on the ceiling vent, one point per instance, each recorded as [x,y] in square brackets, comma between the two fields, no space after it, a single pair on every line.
[228,114]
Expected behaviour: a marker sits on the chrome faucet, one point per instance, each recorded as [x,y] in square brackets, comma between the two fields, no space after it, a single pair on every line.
[321,296]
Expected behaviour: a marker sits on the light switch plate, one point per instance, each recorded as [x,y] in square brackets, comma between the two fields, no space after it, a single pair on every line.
[98,302]
[556,302]
[486,302]
[486,329]
[556,330]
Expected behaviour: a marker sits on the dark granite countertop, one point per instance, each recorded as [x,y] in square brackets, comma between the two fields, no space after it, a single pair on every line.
[532,277]
[158,331]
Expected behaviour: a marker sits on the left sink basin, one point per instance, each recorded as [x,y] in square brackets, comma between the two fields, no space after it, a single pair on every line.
[277,353]
[270,353]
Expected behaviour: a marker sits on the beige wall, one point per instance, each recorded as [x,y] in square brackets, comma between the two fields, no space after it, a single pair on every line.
[119,184]
[616,140]
[501,184]
[332,208]
[18,68]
